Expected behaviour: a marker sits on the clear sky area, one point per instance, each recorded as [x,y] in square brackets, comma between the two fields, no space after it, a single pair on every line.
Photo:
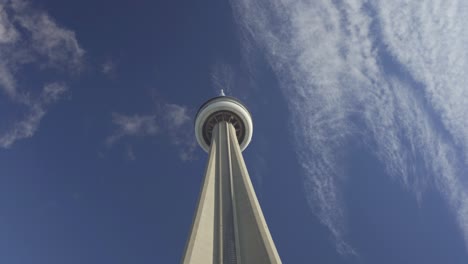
[360,109]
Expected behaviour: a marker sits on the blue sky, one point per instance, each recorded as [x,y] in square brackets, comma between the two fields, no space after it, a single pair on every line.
[360,147]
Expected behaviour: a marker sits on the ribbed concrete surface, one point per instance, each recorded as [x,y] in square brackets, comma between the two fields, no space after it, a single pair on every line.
[229,226]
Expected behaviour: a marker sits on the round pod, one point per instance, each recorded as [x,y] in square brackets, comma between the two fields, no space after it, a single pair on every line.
[223,108]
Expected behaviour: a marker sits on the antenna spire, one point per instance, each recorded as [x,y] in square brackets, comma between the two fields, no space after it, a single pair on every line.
[221,93]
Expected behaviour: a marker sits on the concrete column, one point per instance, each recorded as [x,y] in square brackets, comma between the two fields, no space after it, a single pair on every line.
[229,226]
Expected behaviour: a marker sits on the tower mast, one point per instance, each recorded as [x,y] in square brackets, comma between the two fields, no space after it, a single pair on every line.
[229,226]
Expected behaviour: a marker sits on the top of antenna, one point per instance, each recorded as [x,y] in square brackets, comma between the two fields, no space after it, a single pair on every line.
[221,93]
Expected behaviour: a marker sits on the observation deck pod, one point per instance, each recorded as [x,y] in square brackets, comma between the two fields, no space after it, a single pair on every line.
[223,108]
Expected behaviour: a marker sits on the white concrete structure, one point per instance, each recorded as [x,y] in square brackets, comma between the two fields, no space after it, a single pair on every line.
[229,226]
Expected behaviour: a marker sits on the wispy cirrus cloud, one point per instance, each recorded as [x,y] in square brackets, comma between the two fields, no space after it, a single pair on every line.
[180,123]
[108,67]
[36,109]
[222,77]
[132,126]
[31,39]
[169,120]
[392,72]
[176,116]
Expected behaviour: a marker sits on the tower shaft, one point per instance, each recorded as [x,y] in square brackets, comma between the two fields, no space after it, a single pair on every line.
[229,226]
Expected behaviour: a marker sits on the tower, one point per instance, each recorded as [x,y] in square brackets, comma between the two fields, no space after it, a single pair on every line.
[229,226]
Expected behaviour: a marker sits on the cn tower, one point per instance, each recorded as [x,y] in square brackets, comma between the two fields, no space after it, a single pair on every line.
[229,226]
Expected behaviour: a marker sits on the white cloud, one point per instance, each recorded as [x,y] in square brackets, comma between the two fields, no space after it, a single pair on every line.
[49,40]
[8,32]
[23,128]
[222,77]
[36,109]
[330,61]
[29,37]
[7,80]
[171,120]
[108,67]
[53,92]
[179,127]
[430,39]
[130,153]
[134,125]
[176,115]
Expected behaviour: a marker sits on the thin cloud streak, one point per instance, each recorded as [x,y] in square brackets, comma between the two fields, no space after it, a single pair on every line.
[222,77]
[330,59]
[170,120]
[132,125]
[108,68]
[178,125]
[36,110]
